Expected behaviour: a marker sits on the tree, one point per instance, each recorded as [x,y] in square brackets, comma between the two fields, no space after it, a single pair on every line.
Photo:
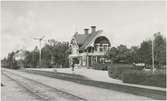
[46,55]
[159,49]
[120,54]
[134,56]
[11,62]
[31,58]
[55,53]
[112,54]
[123,54]
[4,62]
[145,52]
[28,59]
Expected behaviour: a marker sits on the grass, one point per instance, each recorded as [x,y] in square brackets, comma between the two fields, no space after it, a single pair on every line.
[158,78]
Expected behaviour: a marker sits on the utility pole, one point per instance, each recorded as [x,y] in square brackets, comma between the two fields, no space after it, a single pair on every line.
[40,40]
[153,54]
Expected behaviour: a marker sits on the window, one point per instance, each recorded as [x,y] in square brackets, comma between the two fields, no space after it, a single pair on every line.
[105,47]
[97,47]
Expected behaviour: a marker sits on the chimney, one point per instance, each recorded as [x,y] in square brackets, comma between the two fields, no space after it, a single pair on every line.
[86,30]
[93,29]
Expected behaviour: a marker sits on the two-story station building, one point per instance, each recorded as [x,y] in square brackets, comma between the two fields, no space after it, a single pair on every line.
[90,47]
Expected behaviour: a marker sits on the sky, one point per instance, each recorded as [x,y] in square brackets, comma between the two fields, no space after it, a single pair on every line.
[124,22]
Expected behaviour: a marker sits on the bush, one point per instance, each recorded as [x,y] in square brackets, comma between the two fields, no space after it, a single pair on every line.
[158,78]
[116,70]
[163,67]
[138,67]
[100,66]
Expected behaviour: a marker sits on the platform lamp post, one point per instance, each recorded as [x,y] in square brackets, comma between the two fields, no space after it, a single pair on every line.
[40,40]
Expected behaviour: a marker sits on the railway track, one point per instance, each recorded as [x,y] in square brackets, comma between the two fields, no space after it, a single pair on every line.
[41,91]
[37,96]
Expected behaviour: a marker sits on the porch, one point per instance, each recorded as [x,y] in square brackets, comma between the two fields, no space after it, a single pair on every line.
[88,59]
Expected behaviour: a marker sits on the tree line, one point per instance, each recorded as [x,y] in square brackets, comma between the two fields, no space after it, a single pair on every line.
[142,53]
[55,53]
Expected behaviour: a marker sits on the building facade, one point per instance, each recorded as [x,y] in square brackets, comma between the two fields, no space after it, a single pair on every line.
[89,48]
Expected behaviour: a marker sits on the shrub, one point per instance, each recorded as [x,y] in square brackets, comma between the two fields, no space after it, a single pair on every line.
[101,66]
[158,78]
[138,67]
[116,70]
[163,67]
[66,65]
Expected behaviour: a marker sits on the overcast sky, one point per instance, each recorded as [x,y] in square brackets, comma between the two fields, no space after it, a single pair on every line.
[125,22]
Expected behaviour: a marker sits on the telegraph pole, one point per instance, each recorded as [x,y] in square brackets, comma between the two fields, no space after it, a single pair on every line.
[153,54]
[40,40]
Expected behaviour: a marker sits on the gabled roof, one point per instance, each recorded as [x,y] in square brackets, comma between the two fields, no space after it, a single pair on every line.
[80,38]
[84,39]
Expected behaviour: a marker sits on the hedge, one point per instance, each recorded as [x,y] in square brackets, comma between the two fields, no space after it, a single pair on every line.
[116,70]
[158,78]
[100,66]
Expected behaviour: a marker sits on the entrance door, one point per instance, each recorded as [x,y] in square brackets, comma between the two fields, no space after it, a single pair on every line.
[89,60]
